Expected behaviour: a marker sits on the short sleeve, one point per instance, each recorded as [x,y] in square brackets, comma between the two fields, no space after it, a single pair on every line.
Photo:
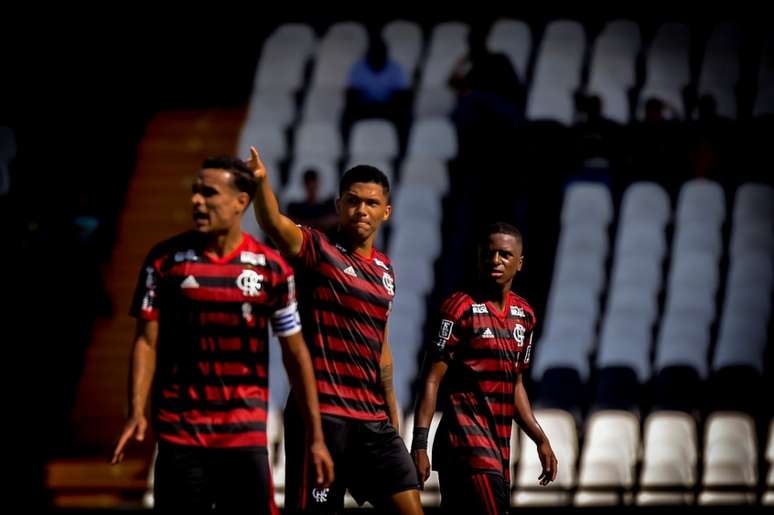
[309,254]
[145,302]
[525,355]
[447,341]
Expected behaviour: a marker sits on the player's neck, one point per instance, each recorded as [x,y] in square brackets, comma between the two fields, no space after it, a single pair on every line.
[364,248]
[497,295]
[223,244]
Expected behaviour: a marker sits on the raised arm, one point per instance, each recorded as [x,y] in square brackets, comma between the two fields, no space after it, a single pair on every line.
[281,229]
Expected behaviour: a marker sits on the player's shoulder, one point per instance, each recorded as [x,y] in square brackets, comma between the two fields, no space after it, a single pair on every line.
[521,302]
[323,240]
[457,303]
[381,259]
[258,253]
[186,242]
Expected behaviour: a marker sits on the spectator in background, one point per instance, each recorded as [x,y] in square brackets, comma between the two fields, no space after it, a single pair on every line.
[597,144]
[483,70]
[378,88]
[488,110]
[489,89]
[659,147]
[317,213]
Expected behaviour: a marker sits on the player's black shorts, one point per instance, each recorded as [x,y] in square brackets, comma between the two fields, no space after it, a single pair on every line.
[482,493]
[197,480]
[370,460]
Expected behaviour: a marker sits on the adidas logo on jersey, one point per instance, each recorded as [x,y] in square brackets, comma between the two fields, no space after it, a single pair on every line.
[487,333]
[479,309]
[189,282]
[350,271]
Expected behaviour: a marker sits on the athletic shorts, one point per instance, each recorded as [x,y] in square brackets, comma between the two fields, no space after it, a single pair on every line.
[483,493]
[191,479]
[370,460]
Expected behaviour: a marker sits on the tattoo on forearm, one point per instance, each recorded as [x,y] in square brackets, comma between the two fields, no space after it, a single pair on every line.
[387,378]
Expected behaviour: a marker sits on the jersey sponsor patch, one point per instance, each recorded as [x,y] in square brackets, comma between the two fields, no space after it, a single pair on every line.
[446,329]
[516,311]
[479,309]
[291,288]
[487,333]
[150,277]
[350,271]
[251,258]
[188,255]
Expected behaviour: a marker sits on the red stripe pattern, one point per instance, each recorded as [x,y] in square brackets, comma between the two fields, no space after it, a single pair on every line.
[211,383]
[345,299]
[486,349]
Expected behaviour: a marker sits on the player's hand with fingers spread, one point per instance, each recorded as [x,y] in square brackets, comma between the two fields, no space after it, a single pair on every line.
[135,426]
[255,164]
[422,462]
[548,461]
[323,464]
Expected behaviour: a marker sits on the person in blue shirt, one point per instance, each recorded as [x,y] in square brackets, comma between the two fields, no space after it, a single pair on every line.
[378,87]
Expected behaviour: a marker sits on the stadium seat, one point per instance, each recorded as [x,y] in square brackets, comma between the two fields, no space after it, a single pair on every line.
[721,68]
[667,67]
[404,44]
[557,73]
[374,139]
[320,140]
[612,72]
[327,175]
[432,138]
[512,38]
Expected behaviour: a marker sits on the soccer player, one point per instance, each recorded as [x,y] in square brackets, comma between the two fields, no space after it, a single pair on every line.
[346,289]
[203,305]
[483,346]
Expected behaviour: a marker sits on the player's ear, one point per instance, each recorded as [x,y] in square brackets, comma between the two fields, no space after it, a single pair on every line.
[243,200]
[520,263]
[338,205]
[387,213]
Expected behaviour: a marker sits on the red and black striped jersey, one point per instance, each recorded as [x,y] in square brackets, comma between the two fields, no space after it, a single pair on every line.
[485,349]
[211,381]
[344,301]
